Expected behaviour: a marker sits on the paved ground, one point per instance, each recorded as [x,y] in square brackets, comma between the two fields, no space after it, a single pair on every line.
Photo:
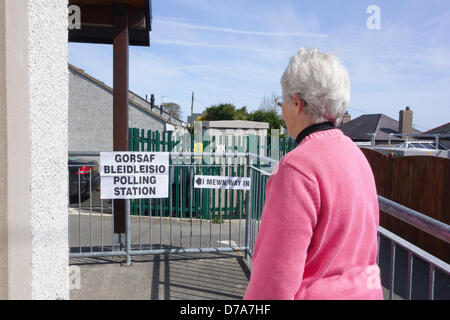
[199,275]
[175,276]
[215,276]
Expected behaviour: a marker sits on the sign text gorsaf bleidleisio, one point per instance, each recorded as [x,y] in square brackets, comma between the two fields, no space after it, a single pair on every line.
[134,175]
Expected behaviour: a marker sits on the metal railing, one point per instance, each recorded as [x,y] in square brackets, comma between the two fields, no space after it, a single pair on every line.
[190,220]
[394,266]
[419,137]
[431,226]
[211,220]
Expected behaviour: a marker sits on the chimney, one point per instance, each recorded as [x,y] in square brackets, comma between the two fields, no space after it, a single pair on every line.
[405,121]
[346,118]
[152,101]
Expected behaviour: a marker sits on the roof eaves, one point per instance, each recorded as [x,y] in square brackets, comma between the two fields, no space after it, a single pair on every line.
[445,124]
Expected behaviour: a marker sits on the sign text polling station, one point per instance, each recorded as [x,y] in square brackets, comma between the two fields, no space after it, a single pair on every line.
[134,175]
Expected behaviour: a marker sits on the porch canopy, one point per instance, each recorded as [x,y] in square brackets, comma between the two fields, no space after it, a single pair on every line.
[121,23]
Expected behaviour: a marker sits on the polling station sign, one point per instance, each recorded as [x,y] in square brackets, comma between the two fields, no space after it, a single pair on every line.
[134,175]
[217,182]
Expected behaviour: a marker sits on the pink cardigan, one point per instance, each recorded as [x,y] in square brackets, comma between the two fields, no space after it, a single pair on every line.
[318,235]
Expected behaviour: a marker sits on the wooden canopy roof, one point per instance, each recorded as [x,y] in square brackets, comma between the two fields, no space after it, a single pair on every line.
[97,21]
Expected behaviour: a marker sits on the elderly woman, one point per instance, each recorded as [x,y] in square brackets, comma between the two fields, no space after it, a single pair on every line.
[318,235]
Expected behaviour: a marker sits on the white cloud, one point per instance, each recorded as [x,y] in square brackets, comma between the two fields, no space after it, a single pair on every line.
[172,22]
[235,47]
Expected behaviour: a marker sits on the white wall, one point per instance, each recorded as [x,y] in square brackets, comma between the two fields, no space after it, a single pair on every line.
[91,116]
[35,98]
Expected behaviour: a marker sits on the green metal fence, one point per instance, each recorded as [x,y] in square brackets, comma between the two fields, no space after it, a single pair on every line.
[151,140]
[210,204]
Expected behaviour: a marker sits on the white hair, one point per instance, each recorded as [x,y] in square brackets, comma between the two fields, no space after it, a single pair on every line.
[321,81]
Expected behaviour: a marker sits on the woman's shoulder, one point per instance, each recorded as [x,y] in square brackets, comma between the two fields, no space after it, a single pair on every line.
[299,159]
[288,168]
[319,153]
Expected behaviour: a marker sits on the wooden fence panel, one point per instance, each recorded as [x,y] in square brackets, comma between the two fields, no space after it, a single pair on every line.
[417,182]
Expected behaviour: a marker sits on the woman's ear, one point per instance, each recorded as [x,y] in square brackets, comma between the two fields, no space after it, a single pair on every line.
[298,103]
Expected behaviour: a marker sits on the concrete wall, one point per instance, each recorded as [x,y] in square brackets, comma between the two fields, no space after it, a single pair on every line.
[91,116]
[34,97]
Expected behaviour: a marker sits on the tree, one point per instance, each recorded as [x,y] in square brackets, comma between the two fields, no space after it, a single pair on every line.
[173,109]
[269,111]
[241,114]
[271,117]
[224,111]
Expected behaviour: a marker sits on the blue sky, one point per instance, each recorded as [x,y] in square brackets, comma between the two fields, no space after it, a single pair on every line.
[236,51]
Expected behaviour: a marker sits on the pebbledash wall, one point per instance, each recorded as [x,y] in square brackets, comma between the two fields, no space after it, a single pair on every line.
[33,149]
[91,113]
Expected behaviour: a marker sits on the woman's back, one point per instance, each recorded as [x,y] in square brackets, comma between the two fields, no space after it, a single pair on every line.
[319,225]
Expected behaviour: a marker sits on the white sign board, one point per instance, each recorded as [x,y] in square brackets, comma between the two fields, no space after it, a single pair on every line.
[134,175]
[226,183]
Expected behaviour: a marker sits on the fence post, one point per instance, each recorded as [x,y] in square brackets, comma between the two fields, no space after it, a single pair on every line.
[150,140]
[252,147]
[169,142]
[133,135]
[275,144]
[187,146]
[206,168]
[136,139]
[158,141]
[198,140]
[247,217]
[130,139]
[128,233]
[197,146]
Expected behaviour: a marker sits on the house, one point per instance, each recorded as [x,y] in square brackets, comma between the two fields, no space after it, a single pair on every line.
[379,129]
[444,132]
[91,113]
